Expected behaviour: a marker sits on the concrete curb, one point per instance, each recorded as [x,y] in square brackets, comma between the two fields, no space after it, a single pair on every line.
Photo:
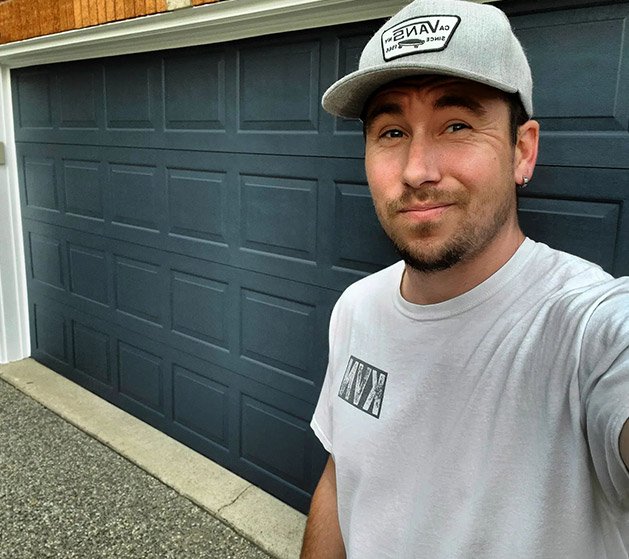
[253,513]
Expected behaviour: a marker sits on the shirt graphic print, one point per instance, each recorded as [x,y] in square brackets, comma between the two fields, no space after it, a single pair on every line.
[363,386]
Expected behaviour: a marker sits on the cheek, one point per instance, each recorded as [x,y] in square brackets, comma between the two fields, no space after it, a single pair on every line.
[477,168]
[378,176]
[383,169]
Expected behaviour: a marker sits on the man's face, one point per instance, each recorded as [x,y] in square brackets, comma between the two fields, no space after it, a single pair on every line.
[440,166]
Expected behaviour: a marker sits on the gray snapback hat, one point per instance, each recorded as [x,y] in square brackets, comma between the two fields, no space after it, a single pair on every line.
[446,37]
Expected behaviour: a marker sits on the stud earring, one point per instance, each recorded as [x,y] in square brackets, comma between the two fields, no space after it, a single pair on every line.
[525,182]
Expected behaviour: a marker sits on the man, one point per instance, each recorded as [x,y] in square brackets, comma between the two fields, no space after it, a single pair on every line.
[476,391]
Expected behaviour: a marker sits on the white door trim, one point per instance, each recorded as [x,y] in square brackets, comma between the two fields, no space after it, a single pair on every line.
[14,329]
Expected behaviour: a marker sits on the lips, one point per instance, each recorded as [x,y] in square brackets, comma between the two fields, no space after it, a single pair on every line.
[425,207]
[425,212]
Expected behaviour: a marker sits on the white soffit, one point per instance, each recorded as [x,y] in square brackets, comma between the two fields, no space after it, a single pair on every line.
[211,23]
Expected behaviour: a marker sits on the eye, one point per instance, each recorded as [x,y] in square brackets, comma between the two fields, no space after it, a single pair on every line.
[456,127]
[393,133]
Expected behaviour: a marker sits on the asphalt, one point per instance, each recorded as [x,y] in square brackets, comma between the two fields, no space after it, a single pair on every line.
[66,494]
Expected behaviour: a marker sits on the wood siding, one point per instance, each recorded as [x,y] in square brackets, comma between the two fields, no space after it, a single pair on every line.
[24,19]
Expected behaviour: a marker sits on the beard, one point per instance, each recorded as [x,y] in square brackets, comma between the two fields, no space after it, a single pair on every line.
[427,256]
[448,256]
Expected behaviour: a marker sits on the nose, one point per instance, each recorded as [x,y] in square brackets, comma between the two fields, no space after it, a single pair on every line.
[422,164]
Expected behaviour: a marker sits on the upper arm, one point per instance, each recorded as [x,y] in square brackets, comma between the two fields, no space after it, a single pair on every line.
[605,394]
[325,493]
[322,537]
[329,474]
[624,444]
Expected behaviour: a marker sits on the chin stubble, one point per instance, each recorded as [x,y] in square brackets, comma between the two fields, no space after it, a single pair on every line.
[466,243]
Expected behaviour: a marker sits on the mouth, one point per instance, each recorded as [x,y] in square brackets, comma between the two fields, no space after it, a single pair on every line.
[423,212]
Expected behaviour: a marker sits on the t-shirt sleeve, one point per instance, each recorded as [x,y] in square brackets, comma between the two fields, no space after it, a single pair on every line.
[605,361]
[321,422]
[322,419]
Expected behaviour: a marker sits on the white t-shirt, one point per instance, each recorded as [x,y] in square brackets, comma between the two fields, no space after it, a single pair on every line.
[486,426]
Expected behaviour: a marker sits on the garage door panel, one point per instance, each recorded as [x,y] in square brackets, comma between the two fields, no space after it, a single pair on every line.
[278,216]
[199,308]
[277,333]
[607,149]
[141,376]
[64,345]
[135,200]
[50,334]
[591,209]
[201,406]
[194,90]
[274,440]
[130,94]
[196,205]
[587,229]
[83,188]
[39,178]
[264,412]
[594,48]
[33,92]
[581,182]
[360,244]
[47,260]
[89,273]
[283,333]
[202,300]
[80,90]
[91,352]
[139,288]
[278,86]
[204,404]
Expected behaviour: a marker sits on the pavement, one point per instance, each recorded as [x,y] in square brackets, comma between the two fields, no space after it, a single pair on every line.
[80,478]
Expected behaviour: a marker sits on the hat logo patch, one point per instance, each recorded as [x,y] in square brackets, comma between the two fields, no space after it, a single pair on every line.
[421,34]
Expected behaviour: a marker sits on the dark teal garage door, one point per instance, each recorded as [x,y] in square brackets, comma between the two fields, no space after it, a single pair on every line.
[191,216]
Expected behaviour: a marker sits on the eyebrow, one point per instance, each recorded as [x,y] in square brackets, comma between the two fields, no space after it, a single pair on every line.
[452,100]
[381,109]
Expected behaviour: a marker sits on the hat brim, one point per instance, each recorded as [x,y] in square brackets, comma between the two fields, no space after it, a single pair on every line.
[347,97]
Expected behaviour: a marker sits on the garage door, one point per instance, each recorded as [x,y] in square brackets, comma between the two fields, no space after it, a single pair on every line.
[191,216]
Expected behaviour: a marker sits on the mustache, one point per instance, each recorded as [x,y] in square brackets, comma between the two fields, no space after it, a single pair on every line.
[428,195]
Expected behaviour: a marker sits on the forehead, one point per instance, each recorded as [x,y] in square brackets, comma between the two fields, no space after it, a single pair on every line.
[434,87]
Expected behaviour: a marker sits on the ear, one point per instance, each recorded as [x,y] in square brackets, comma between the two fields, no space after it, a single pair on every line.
[526,151]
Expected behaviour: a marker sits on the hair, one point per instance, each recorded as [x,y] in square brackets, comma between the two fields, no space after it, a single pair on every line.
[517,115]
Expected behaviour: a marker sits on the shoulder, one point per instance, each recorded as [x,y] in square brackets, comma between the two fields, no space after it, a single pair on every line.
[609,303]
[564,269]
[379,284]
[572,291]
[583,291]
[569,279]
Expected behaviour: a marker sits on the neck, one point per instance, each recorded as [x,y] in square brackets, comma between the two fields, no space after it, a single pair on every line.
[427,288]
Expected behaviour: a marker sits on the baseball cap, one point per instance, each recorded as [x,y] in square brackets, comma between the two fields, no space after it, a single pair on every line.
[445,37]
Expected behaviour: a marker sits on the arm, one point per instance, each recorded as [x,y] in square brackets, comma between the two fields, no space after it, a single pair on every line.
[624,444]
[322,539]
